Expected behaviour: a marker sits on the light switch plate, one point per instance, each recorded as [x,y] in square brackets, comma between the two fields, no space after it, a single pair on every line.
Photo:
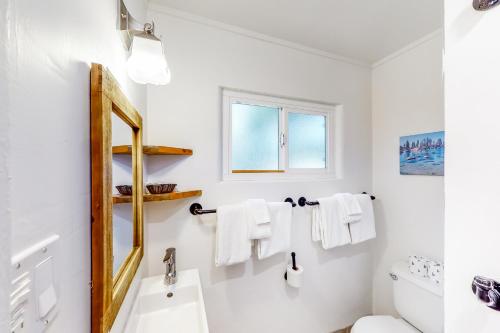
[34,287]
[45,292]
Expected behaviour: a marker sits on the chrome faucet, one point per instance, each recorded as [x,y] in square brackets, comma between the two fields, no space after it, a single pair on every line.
[171,272]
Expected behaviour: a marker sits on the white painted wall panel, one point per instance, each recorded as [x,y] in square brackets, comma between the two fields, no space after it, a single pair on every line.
[4,181]
[51,45]
[407,97]
[472,76]
[252,297]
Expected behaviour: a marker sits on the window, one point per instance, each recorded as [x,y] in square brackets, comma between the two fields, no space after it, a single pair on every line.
[307,140]
[254,137]
[276,138]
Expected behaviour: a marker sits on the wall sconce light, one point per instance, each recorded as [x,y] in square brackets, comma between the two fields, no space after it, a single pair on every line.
[485,4]
[147,62]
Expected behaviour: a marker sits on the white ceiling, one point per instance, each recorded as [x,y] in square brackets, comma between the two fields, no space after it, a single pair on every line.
[365,30]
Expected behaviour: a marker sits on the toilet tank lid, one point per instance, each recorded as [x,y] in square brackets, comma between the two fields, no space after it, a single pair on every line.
[402,271]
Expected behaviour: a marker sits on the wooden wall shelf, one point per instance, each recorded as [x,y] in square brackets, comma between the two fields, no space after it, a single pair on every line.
[153,150]
[118,199]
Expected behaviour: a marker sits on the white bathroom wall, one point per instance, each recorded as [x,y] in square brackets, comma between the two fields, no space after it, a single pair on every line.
[4,226]
[407,97]
[50,46]
[472,78]
[4,194]
[253,297]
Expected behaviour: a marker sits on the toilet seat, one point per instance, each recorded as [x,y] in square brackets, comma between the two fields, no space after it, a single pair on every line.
[382,324]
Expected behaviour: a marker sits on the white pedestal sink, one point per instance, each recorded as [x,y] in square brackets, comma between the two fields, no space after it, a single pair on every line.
[183,312]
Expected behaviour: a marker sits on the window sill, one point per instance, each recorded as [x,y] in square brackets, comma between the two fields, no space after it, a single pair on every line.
[256,171]
[277,178]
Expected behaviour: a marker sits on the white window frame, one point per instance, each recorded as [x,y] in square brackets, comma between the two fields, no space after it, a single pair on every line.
[332,113]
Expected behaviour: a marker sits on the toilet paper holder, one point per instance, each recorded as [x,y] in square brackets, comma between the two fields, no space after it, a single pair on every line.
[294,265]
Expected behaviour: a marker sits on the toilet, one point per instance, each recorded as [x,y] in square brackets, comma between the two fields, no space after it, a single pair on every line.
[419,302]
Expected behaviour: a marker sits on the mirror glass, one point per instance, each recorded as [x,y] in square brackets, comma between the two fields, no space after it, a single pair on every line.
[123,230]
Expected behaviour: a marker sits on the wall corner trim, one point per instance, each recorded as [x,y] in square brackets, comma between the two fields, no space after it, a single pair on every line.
[435,34]
[166,10]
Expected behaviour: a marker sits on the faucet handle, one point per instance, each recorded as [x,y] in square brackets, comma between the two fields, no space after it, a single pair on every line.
[169,254]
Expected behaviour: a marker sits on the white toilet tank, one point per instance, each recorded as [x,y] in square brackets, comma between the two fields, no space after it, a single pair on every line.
[418,300]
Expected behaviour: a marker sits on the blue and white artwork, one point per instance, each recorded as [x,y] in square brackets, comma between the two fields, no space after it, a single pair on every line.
[422,154]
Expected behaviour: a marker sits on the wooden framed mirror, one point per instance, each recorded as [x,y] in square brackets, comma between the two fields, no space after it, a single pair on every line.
[117,236]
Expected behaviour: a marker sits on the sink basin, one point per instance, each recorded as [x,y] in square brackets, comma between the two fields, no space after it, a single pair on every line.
[184,311]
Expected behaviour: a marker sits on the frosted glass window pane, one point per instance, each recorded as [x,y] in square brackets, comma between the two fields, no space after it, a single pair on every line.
[307,141]
[255,135]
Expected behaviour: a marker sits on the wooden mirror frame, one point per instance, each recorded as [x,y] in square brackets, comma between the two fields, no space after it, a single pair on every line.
[108,292]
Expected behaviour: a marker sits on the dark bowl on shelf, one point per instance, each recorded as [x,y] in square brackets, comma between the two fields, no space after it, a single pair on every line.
[124,189]
[160,188]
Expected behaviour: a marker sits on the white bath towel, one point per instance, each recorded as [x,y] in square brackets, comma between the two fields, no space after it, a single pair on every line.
[315,223]
[281,224]
[232,245]
[364,229]
[333,231]
[350,207]
[259,225]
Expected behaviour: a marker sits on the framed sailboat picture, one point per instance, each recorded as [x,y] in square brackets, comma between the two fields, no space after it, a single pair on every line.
[422,154]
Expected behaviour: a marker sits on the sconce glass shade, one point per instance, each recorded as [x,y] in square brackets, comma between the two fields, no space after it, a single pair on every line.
[147,63]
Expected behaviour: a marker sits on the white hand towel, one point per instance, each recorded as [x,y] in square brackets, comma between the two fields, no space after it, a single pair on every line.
[418,266]
[281,224]
[364,229]
[351,209]
[259,210]
[315,223]
[259,225]
[232,245]
[333,231]
[435,271]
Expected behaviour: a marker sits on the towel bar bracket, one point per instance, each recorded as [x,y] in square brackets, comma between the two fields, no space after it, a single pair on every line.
[197,209]
[290,200]
[303,201]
